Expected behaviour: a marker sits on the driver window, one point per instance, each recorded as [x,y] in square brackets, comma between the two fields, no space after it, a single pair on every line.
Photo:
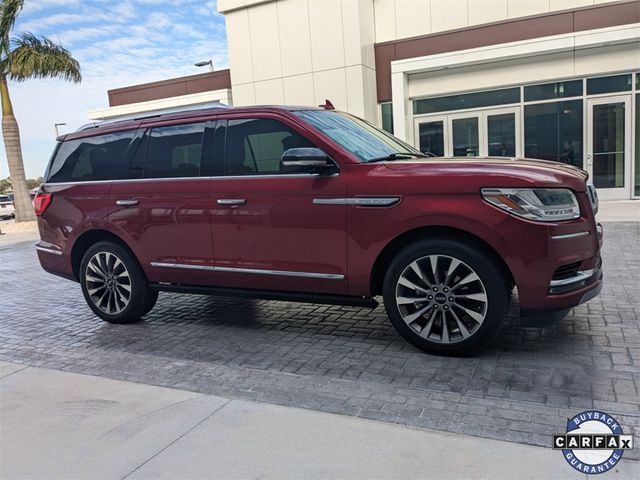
[255,146]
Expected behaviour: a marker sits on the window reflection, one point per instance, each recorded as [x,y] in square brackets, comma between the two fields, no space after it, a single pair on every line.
[432,138]
[465,137]
[553,131]
[501,131]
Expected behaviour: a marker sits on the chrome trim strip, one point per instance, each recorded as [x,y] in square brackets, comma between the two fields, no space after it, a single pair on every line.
[283,273]
[363,202]
[183,266]
[580,276]
[174,179]
[48,250]
[273,175]
[124,180]
[231,201]
[570,235]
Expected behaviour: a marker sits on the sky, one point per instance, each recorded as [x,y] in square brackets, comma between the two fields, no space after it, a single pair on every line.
[118,43]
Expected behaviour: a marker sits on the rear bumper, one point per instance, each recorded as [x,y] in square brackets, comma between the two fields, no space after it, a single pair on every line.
[53,260]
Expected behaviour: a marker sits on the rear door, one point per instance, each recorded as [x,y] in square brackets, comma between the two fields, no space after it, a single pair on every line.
[162,204]
[270,228]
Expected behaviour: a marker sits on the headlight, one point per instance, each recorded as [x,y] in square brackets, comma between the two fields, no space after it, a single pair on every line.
[541,204]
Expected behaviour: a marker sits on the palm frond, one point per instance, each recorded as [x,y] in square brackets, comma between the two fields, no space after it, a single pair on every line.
[39,57]
[9,10]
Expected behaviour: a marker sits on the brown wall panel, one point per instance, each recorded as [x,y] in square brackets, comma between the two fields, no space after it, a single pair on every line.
[204,82]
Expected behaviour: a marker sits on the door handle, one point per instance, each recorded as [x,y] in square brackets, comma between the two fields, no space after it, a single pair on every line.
[231,201]
[127,203]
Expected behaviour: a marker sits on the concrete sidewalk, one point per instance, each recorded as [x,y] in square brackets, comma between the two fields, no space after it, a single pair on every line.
[56,424]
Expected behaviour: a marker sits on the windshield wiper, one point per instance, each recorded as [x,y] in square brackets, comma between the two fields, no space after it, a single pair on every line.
[397,156]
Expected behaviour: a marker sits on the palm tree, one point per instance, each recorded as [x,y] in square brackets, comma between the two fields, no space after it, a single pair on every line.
[22,57]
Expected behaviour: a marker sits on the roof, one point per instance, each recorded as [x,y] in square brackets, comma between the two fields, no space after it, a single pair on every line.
[174,114]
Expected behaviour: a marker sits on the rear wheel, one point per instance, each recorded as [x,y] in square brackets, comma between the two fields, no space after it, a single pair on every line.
[445,297]
[114,285]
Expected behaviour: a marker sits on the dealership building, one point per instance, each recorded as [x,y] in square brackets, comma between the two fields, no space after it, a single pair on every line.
[551,79]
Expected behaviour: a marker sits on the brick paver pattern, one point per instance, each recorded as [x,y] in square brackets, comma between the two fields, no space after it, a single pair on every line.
[347,360]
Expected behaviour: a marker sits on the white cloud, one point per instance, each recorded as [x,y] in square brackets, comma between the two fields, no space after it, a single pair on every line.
[117,43]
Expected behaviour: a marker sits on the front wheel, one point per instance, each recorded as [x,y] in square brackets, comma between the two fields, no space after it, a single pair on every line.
[114,285]
[445,297]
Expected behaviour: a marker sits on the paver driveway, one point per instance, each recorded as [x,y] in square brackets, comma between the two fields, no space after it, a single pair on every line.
[346,360]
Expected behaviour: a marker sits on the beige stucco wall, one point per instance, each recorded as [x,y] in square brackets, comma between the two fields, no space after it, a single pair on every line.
[302,52]
[541,68]
[407,18]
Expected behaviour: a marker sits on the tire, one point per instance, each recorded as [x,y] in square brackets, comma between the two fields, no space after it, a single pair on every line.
[113,284]
[469,292]
[152,298]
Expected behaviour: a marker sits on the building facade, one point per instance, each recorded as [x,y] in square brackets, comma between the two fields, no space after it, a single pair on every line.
[551,79]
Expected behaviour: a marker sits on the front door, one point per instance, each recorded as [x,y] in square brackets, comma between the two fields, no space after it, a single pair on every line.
[269,230]
[609,146]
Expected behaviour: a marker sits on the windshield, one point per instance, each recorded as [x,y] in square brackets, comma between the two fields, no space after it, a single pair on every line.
[357,136]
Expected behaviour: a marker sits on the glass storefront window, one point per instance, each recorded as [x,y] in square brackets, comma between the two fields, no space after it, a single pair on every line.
[501,132]
[467,100]
[553,131]
[549,91]
[615,83]
[387,117]
[432,138]
[465,137]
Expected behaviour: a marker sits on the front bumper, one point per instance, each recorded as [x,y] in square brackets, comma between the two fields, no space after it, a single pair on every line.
[564,293]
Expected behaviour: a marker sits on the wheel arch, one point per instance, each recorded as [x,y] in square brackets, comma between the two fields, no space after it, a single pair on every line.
[89,238]
[405,239]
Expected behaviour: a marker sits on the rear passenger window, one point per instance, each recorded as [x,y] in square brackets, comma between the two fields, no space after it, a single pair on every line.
[255,146]
[174,151]
[89,159]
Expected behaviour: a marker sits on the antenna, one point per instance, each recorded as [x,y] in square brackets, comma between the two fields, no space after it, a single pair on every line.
[327,105]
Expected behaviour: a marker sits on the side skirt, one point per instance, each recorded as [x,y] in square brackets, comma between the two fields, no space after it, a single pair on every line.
[268,295]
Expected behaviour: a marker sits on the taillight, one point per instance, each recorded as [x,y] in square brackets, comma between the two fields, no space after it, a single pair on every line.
[42,202]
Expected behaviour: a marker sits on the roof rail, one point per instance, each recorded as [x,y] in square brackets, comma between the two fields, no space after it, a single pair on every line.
[155,113]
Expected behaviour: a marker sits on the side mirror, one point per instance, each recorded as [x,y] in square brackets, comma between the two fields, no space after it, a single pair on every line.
[307,160]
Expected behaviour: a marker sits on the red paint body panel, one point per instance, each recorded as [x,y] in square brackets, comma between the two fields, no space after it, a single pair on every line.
[280,228]
[170,224]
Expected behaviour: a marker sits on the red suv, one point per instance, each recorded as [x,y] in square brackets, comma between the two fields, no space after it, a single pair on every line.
[310,204]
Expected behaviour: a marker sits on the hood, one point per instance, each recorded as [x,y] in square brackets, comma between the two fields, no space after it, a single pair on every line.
[496,171]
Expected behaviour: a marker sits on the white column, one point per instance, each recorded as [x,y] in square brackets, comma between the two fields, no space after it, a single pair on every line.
[401,107]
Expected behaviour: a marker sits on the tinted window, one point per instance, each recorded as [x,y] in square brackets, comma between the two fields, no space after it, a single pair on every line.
[616,83]
[547,91]
[553,131]
[174,151]
[89,159]
[387,117]
[255,146]
[467,100]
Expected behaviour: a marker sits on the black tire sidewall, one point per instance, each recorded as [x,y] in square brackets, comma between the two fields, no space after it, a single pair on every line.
[139,285]
[484,266]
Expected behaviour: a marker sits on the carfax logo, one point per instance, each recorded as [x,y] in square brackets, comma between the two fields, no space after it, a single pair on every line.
[594,442]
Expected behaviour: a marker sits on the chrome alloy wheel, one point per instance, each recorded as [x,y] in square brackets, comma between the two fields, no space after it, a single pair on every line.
[108,283]
[441,298]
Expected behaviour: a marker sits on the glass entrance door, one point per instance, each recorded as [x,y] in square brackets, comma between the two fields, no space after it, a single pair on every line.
[502,132]
[609,146]
[493,132]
